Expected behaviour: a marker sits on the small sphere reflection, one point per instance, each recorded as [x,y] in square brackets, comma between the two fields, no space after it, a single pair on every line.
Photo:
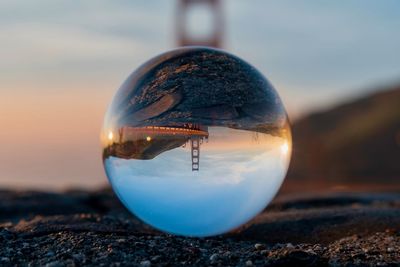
[196,142]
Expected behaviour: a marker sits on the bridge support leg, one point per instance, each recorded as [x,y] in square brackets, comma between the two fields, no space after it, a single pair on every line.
[195,144]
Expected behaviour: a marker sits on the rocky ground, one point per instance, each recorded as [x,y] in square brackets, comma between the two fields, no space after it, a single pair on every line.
[81,228]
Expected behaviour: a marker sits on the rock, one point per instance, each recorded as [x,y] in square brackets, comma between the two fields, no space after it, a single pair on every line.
[145,263]
[156,258]
[54,264]
[202,250]
[214,257]
[227,254]
[5,234]
[259,246]
[5,260]
[79,257]
[249,263]
[50,253]
[289,245]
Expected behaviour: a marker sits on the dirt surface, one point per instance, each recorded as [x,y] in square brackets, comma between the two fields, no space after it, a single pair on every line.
[91,228]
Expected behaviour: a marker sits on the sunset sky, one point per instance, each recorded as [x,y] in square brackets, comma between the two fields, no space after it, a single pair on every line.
[61,62]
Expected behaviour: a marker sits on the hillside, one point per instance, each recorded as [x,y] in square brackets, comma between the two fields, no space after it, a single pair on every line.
[354,142]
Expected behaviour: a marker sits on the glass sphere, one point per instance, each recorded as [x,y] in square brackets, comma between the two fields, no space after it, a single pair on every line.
[196,142]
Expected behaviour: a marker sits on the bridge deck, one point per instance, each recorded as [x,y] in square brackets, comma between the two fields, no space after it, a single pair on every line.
[168,131]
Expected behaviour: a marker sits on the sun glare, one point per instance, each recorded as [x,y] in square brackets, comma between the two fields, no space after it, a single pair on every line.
[285,148]
[110,135]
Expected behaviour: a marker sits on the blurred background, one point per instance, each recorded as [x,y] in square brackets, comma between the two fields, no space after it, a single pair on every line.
[335,64]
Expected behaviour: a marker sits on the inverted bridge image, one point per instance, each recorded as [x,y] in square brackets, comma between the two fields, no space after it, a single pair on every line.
[149,141]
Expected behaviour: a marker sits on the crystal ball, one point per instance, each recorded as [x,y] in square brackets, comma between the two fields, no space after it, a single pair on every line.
[196,142]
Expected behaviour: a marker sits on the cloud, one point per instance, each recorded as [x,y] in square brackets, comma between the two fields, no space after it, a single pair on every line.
[230,188]
[329,48]
[63,41]
[38,45]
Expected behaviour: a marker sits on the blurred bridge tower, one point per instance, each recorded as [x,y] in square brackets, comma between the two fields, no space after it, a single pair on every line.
[185,38]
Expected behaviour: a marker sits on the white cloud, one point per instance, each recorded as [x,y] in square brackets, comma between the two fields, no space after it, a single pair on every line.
[226,192]
[35,45]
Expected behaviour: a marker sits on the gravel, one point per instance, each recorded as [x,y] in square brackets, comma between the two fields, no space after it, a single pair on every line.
[89,248]
[106,235]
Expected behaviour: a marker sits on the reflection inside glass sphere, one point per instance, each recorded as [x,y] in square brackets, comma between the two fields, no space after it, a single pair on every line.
[196,142]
